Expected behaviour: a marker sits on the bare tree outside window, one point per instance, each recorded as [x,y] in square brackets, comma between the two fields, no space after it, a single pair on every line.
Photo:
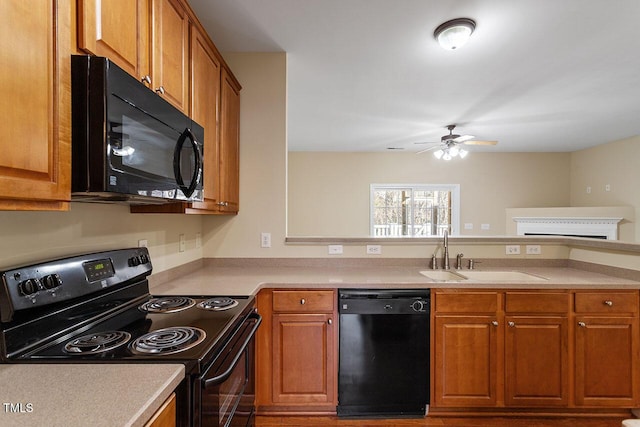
[412,210]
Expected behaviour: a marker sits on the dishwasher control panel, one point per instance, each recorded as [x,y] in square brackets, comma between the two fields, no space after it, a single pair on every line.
[384,301]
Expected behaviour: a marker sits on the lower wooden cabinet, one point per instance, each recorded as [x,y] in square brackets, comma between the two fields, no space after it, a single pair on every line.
[536,367]
[165,416]
[607,349]
[466,348]
[297,352]
[535,349]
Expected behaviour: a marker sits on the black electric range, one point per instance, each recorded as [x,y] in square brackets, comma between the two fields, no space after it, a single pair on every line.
[96,308]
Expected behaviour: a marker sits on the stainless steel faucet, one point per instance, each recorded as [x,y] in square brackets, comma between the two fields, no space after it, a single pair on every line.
[445,255]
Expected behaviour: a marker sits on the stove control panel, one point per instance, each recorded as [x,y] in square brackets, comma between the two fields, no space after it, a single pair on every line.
[59,280]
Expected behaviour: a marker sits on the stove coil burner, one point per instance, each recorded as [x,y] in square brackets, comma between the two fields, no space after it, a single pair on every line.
[97,343]
[218,304]
[168,340]
[167,304]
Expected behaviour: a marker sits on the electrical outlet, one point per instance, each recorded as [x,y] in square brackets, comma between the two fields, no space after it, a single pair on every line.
[183,243]
[512,249]
[265,240]
[485,226]
[374,250]
[607,187]
[143,243]
[468,226]
[335,249]
[198,240]
[533,250]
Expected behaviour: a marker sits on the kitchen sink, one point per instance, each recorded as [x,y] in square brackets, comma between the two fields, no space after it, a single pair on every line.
[501,276]
[443,275]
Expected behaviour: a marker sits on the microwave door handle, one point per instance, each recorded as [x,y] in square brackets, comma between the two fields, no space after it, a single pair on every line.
[177,154]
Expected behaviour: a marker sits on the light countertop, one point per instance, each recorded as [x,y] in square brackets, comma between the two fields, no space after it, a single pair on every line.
[237,280]
[67,395]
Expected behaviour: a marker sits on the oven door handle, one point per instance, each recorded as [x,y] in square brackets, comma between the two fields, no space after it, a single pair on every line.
[227,369]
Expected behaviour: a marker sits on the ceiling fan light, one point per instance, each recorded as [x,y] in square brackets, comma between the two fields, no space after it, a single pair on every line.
[454,151]
[438,154]
[463,153]
[455,33]
[446,156]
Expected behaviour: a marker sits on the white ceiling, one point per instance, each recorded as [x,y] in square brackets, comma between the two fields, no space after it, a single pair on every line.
[365,75]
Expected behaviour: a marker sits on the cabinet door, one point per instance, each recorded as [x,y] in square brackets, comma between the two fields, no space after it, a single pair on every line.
[606,361]
[536,361]
[118,30]
[229,153]
[205,100]
[465,361]
[35,114]
[304,365]
[170,57]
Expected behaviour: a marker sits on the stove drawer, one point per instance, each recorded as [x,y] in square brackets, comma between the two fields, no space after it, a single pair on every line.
[303,301]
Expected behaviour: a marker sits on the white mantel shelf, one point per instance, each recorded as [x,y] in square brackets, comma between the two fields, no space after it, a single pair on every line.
[577,226]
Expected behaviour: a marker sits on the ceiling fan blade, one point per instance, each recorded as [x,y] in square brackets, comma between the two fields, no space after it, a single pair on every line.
[463,138]
[428,149]
[475,142]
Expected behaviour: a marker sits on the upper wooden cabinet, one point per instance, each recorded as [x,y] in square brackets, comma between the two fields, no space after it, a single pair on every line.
[170,52]
[118,30]
[229,190]
[35,115]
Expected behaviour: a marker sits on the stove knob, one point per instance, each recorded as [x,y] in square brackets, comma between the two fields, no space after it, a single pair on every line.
[28,287]
[134,261]
[143,258]
[418,305]
[51,281]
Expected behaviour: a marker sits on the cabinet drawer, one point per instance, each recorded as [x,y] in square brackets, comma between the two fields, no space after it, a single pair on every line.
[466,302]
[303,301]
[607,302]
[536,302]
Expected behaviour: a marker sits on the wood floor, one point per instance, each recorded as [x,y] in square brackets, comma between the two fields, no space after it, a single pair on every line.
[263,421]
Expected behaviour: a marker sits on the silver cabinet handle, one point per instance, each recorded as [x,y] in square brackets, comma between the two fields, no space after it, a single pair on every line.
[608,302]
[330,322]
[303,301]
[223,203]
[160,90]
[494,323]
[146,79]
[511,324]
[582,324]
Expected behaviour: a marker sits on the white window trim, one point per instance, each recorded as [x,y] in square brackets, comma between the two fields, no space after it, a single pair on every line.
[455,201]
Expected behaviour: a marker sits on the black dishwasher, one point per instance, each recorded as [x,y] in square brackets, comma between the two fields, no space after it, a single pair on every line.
[384,352]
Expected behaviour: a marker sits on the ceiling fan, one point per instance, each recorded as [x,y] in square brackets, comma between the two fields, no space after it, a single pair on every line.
[448,147]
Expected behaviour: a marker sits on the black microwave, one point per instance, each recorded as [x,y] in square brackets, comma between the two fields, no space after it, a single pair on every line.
[129,144]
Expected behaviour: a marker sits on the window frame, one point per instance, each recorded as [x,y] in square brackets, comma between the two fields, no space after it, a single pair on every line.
[455,203]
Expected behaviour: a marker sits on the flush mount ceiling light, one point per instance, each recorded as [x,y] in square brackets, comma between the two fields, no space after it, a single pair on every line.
[455,33]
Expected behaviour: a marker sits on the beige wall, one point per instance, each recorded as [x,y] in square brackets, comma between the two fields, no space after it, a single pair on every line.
[263,161]
[32,236]
[614,164]
[329,192]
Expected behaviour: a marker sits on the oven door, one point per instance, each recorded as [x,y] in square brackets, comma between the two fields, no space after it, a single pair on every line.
[227,389]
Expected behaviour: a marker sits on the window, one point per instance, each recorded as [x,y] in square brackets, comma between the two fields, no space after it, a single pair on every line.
[414,210]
